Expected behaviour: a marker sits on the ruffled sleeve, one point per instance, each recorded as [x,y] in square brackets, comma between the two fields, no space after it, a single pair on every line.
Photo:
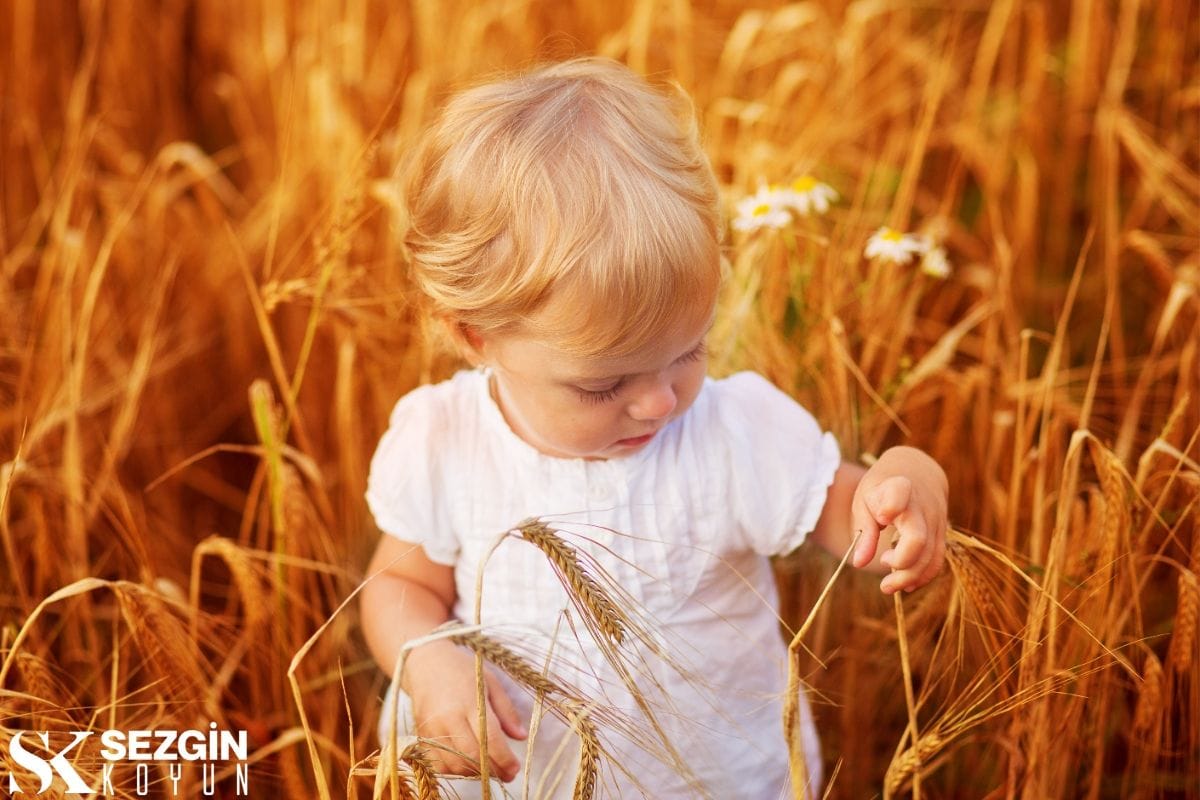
[780,463]
[406,485]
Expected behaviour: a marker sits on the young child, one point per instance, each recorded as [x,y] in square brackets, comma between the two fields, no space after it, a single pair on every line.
[564,225]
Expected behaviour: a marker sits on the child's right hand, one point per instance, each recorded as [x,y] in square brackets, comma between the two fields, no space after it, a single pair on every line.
[440,679]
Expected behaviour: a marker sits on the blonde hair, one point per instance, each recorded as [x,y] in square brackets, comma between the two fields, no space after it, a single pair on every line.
[576,190]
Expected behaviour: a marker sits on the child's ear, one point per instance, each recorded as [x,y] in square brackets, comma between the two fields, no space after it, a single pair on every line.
[466,338]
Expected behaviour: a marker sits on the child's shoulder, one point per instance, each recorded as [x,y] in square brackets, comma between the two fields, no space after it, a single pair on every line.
[742,383]
[747,393]
[435,403]
[433,420]
[746,409]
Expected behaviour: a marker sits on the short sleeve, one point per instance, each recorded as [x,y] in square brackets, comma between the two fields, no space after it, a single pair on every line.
[406,488]
[780,463]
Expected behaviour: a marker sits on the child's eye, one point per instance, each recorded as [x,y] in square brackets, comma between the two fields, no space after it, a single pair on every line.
[601,396]
[694,355]
[598,396]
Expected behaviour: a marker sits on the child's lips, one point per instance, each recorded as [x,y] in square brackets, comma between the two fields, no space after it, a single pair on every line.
[637,439]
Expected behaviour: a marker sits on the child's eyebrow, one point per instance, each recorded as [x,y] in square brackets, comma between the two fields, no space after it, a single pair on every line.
[610,378]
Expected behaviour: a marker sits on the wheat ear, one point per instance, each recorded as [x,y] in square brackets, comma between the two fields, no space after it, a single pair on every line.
[607,616]
[909,761]
[518,668]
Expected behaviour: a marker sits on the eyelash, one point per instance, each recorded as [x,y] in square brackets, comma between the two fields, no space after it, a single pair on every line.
[694,355]
[605,395]
[599,397]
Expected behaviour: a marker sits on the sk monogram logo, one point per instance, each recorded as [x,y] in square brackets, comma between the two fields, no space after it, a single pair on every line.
[44,769]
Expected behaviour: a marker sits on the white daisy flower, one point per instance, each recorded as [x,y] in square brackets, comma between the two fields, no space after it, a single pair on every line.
[805,195]
[894,246]
[935,264]
[760,210]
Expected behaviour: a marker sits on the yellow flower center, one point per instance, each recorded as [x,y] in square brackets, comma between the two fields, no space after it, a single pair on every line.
[761,210]
[890,235]
[805,183]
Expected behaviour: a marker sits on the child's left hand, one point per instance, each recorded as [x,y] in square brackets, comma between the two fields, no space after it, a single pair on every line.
[908,489]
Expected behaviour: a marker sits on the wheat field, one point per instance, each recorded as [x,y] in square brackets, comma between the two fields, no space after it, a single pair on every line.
[205,321]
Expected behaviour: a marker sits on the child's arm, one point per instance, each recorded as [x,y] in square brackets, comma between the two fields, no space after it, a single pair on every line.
[409,597]
[905,488]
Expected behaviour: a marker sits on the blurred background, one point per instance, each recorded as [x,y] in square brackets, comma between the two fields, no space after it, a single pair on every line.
[205,321]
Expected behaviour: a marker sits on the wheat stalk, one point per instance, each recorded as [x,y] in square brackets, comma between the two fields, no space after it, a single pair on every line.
[520,669]
[255,603]
[567,705]
[911,759]
[910,700]
[589,749]
[1150,697]
[168,650]
[43,692]
[972,580]
[424,776]
[609,618]
[1181,657]
[1095,139]
[1116,507]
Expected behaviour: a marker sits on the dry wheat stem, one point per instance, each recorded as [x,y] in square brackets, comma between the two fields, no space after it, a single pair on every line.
[481,704]
[422,770]
[589,751]
[971,542]
[1150,697]
[607,623]
[1048,120]
[1181,657]
[910,762]
[606,614]
[517,667]
[797,766]
[902,638]
[569,707]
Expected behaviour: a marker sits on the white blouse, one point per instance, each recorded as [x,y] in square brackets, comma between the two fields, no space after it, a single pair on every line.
[683,527]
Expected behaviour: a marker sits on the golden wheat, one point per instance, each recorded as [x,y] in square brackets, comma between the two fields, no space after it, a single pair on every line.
[1116,508]
[518,668]
[206,194]
[567,705]
[46,695]
[172,655]
[1149,707]
[902,768]
[589,753]
[1181,657]
[424,776]
[609,618]
[256,607]
[971,579]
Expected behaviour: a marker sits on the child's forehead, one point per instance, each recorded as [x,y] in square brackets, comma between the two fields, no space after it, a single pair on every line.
[661,348]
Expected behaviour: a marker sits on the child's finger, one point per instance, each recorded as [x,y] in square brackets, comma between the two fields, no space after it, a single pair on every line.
[938,558]
[922,572]
[867,530]
[445,758]
[914,539]
[933,556]
[506,712]
[907,579]
[503,761]
[887,500]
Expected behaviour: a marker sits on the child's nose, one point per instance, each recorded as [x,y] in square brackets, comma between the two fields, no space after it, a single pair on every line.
[656,401]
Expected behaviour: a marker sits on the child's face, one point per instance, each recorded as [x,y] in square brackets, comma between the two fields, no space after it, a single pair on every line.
[572,407]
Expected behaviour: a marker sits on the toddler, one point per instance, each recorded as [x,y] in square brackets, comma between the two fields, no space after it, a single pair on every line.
[564,225]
